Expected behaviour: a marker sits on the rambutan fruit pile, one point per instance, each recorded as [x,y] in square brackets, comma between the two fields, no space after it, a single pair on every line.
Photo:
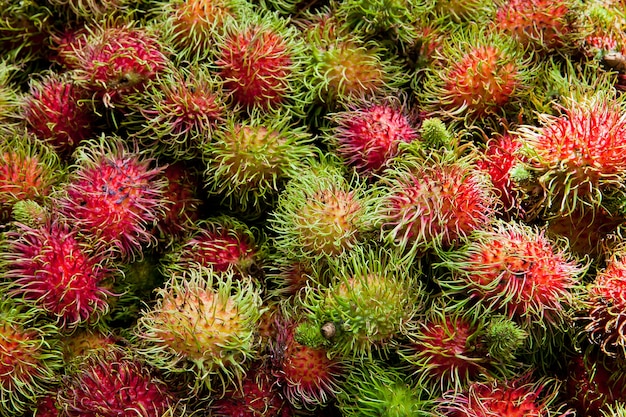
[339,208]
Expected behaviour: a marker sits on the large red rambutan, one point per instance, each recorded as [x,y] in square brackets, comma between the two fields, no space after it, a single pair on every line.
[52,268]
[114,195]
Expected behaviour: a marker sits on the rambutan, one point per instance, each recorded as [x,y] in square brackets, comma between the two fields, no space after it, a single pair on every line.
[177,113]
[541,24]
[478,75]
[222,244]
[521,397]
[28,169]
[113,382]
[576,157]
[9,94]
[203,328]
[367,136]
[94,10]
[309,377]
[434,202]
[116,60]
[514,269]
[261,60]
[368,301]
[57,111]
[320,213]
[113,195]
[248,162]
[52,268]
[30,358]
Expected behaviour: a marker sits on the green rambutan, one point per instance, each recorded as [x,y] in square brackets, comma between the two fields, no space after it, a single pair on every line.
[30,358]
[24,27]
[308,376]
[113,195]
[367,136]
[51,267]
[320,213]
[221,243]
[479,75]
[371,301]
[202,327]
[116,60]
[113,382]
[514,269]
[94,10]
[249,161]
[28,169]
[57,110]
[575,157]
[374,388]
[9,94]
[433,202]
[261,60]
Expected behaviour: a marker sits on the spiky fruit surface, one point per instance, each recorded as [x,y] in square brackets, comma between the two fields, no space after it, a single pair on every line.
[177,113]
[222,244]
[258,396]
[94,10]
[112,382]
[500,157]
[368,301]
[116,60]
[514,269]
[367,137]
[446,351]
[29,358]
[203,327]
[309,377]
[433,202]
[23,27]
[249,162]
[51,267]
[261,61]
[28,170]
[605,307]
[576,156]
[373,388]
[84,341]
[478,75]
[521,397]
[113,195]
[9,93]
[320,213]
[57,111]
[542,24]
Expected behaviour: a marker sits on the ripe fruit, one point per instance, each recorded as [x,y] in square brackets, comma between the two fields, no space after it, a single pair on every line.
[113,195]
[203,328]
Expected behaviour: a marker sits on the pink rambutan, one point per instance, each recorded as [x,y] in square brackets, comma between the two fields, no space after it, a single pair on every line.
[57,111]
[516,270]
[577,156]
[111,382]
[116,60]
[51,267]
[542,24]
[308,376]
[522,397]
[367,136]
[114,195]
[433,202]
[260,62]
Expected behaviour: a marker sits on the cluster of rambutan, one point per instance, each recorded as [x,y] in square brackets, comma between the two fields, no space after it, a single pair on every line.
[312,208]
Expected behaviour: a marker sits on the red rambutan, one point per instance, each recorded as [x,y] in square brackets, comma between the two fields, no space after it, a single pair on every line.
[114,195]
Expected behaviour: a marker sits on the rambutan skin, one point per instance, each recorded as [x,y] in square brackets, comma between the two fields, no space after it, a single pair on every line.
[53,269]
[114,195]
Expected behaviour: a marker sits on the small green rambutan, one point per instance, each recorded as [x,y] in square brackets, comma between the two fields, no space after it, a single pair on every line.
[371,300]
[113,195]
[260,59]
[30,358]
[249,161]
[94,10]
[202,328]
[24,27]
[9,94]
[177,112]
[28,169]
[321,213]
